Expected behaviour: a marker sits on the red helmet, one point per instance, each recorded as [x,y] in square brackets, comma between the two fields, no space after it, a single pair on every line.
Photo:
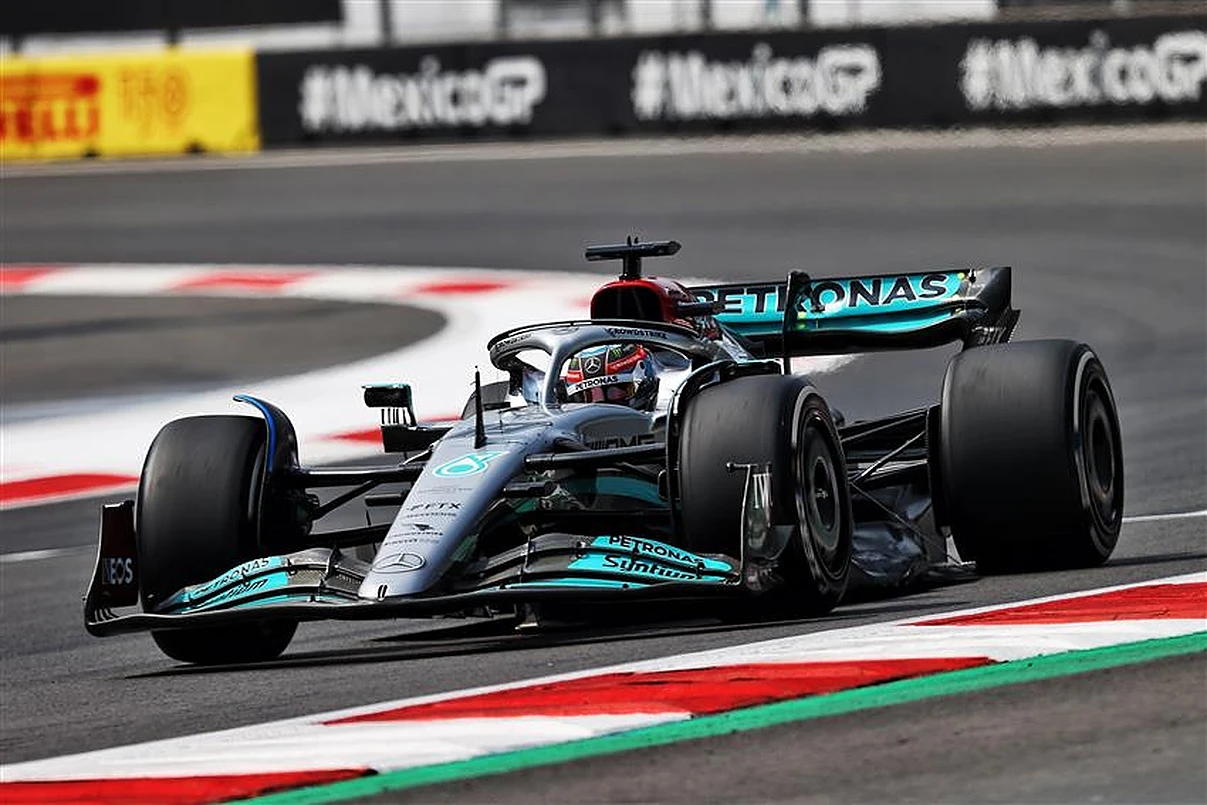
[615,373]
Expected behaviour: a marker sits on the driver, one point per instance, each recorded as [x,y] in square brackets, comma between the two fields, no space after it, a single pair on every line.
[624,374]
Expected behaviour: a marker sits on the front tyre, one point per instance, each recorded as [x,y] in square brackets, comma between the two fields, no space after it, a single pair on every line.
[1030,456]
[197,516]
[780,421]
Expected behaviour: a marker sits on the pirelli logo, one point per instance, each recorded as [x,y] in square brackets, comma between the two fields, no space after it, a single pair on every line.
[124,104]
[50,107]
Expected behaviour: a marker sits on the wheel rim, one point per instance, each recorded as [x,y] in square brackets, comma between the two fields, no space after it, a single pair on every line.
[821,501]
[1100,458]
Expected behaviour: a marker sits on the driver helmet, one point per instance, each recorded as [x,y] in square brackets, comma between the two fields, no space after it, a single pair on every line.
[615,373]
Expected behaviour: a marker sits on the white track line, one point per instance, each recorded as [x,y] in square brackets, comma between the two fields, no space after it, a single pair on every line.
[1156,518]
[661,147]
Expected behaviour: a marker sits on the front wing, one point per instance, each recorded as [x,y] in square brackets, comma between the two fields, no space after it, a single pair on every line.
[323,583]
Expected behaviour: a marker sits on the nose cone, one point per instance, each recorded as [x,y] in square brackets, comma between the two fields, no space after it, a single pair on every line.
[440,514]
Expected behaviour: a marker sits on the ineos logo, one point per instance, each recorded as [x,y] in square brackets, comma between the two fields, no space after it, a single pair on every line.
[115,570]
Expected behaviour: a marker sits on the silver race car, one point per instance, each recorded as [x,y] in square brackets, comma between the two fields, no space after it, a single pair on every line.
[661,450]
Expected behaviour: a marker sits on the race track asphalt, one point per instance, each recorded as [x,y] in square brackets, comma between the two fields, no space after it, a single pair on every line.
[1109,244]
[63,348]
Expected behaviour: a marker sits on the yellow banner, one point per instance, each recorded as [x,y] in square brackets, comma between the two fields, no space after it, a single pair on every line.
[166,102]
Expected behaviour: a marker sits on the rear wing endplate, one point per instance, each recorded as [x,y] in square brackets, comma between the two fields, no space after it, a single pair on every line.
[803,316]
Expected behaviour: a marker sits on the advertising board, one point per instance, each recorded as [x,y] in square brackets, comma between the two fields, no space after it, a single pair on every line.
[125,104]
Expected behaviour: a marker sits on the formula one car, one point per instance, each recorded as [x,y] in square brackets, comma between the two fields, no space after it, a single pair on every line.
[661,450]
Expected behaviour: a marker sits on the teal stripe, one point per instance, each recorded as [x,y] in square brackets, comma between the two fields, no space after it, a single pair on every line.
[752,718]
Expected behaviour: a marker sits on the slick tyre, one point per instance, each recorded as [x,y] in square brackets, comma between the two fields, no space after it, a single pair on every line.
[1030,456]
[780,421]
[196,517]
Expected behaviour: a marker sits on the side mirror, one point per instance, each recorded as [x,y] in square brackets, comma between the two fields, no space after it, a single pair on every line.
[388,395]
[395,401]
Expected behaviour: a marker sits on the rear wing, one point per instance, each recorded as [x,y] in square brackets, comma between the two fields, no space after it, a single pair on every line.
[803,316]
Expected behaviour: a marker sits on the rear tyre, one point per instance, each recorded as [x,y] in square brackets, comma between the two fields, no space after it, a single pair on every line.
[782,421]
[198,516]
[1030,456]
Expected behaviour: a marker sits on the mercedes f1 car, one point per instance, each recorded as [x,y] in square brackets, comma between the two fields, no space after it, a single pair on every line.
[660,450]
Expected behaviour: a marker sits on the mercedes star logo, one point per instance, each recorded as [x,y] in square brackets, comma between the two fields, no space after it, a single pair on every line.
[402,562]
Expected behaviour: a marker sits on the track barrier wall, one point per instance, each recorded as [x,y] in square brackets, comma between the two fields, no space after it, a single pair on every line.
[168,102]
[1116,69]
[1108,70]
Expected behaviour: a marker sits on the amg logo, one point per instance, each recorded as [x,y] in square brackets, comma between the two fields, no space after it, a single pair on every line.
[608,442]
